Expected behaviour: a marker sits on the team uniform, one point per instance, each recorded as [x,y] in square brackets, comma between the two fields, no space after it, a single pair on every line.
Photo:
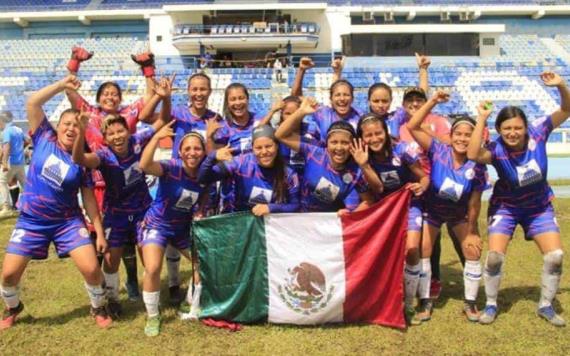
[325,189]
[395,173]
[49,207]
[185,122]
[450,189]
[169,217]
[318,123]
[522,194]
[253,183]
[127,195]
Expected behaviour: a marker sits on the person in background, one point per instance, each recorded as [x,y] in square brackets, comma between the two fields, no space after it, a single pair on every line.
[13,162]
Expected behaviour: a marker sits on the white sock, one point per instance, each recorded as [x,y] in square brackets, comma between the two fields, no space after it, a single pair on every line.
[425,278]
[173,265]
[97,295]
[493,273]
[11,295]
[471,277]
[151,300]
[551,273]
[196,296]
[411,281]
[112,285]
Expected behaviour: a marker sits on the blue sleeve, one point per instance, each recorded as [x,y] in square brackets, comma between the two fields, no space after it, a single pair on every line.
[407,156]
[541,128]
[142,137]
[167,166]
[211,171]
[481,180]
[103,155]
[361,185]
[293,204]
[306,148]
[433,148]
[352,199]
[43,131]
[6,135]
[86,178]
[492,147]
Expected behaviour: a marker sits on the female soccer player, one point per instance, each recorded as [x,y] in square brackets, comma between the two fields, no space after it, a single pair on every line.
[522,196]
[109,99]
[127,197]
[264,184]
[388,167]
[454,198]
[332,181]
[169,217]
[50,209]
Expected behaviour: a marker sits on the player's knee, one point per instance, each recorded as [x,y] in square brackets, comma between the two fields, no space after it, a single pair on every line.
[553,261]
[494,262]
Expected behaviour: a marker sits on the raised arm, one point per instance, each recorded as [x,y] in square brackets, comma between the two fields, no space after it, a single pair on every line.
[475,149]
[147,162]
[423,65]
[89,160]
[78,55]
[210,171]
[305,64]
[35,102]
[146,61]
[278,105]
[415,124]
[359,152]
[337,66]
[212,126]
[552,79]
[90,205]
[287,132]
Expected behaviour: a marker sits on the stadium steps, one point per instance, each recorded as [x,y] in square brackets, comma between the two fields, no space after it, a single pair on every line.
[556,49]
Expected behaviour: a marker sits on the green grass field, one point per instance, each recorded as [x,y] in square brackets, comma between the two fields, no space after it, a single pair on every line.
[56,320]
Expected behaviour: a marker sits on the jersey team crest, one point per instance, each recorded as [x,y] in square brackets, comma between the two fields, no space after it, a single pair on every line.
[305,291]
[55,170]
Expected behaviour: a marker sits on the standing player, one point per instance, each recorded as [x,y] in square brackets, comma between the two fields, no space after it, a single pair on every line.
[50,209]
[454,198]
[169,217]
[522,196]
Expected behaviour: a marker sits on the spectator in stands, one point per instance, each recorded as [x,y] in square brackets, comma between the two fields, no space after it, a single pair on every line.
[341,97]
[109,98]
[278,69]
[522,196]
[227,62]
[13,162]
[209,60]
[50,209]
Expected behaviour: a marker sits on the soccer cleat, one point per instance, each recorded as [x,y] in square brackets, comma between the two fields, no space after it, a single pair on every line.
[114,309]
[152,327]
[9,316]
[133,291]
[435,289]
[102,318]
[426,307]
[550,315]
[411,316]
[471,312]
[175,295]
[489,314]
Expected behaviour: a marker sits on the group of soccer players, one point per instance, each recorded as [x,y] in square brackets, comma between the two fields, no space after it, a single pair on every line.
[316,158]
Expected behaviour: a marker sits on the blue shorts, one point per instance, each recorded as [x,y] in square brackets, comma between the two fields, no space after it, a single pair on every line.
[179,238]
[415,219]
[32,236]
[437,219]
[534,221]
[121,229]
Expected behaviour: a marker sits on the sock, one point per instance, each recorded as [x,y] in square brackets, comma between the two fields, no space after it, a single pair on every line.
[196,296]
[425,278]
[471,277]
[97,295]
[173,266]
[130,262]
[112,285]
[151,300]
[551,272]
[493,273]
[411,280]
[10,295]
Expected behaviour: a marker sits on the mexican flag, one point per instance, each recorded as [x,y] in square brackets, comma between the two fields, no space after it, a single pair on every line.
[310,268]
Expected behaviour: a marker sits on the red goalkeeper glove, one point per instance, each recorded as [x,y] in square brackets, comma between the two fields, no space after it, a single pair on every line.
[146,61]
[78,55]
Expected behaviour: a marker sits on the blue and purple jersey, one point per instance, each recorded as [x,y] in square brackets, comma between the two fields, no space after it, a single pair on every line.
[325,189]
[522,175]
[127,191]
[185,122]
[176,198]
[253,183]
[318,123]
[395,171]
[238,137]
[451,187]
[53,180]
